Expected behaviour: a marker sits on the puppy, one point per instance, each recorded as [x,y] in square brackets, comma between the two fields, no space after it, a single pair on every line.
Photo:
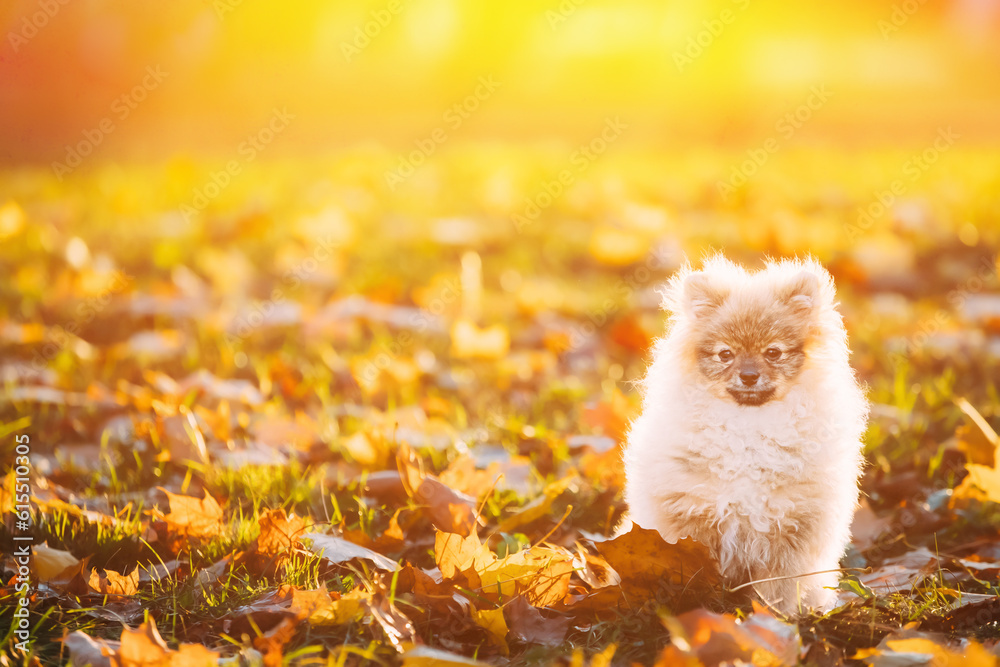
[749,439]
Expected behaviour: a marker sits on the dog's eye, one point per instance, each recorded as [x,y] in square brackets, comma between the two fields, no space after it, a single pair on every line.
[772,354]
[725,355]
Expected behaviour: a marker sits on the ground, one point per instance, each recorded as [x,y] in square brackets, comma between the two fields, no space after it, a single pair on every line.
[308,417]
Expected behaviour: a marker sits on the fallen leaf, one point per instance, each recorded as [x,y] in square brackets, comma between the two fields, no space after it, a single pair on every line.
[143,646]
[492,620]
[279,533]
[455,553]
[982,484]
[714,639]
[978,440]
[190,517]
[109,582]
[646,564]
[272,643]
[448,510]
[51,562]
[528,625]
[398,629]
[84,650]
[913,648]
[338,550]
[349,608]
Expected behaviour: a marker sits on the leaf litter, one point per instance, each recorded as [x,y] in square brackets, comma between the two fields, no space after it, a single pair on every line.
[411,455]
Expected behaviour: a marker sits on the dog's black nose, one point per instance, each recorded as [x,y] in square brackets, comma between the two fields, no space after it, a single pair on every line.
[749,378]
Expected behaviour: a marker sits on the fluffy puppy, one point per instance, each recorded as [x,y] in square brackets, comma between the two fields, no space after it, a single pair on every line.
[750,434]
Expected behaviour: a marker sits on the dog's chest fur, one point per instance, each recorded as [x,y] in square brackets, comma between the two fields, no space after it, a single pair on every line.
[750,482]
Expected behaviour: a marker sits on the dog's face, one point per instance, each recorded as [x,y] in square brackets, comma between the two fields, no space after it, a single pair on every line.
[750,343]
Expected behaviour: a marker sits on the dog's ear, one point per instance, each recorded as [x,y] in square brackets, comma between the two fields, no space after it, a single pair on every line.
[802,292]
[701,297]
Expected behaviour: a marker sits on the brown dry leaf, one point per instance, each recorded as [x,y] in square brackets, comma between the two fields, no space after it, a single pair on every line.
[85,650]
[902,573]
[7,493]
[49,562]
[279,533]
[75,579]
[190,517]
[397,627]
[982,484]
[978,440]
[158,571]
[448,510]
[194,655]
[421,584]
[470,341]
[527,624]
[338,550]
[913,648]
[272,643]
[714,639]
[593,570]
[143,646]
[348,608]
[307,602]
[540,574]
[109,582]
[464,476]
[493,622]
[646,563]
[455,553]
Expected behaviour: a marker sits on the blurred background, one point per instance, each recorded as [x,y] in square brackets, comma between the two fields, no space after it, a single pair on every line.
[540,158]
[380,73]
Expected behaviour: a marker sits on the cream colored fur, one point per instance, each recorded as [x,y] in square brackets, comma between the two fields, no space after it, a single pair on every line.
[772,488]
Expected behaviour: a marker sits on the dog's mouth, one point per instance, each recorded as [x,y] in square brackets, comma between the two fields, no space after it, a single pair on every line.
[751,396]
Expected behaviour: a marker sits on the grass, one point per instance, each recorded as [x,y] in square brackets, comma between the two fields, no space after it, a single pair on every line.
[579,328]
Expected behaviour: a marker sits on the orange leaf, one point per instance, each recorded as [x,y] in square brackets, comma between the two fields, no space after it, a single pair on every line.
[193,517]
[448,510]
[456,553]
[279,532]
[646,563]
[109,582]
